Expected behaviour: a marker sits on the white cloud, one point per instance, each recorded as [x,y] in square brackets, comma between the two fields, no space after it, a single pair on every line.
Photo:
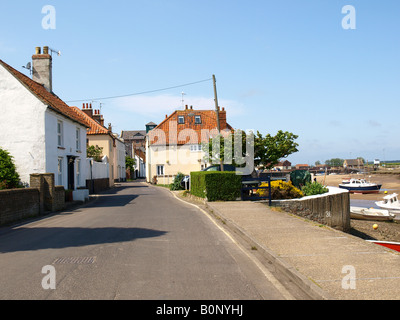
[161,105]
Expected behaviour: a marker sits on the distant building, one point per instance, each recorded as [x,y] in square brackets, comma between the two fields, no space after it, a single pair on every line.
[302,167]
[353,163]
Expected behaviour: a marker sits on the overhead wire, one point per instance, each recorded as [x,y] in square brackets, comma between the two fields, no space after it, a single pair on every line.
[143,92]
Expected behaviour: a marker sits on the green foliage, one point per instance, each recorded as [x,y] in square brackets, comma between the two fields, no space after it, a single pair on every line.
[268,150]
[280,190]
[176,185]
[129,163]
[335,162]
[216,185]
[9,177]
[94,152]
[311,189]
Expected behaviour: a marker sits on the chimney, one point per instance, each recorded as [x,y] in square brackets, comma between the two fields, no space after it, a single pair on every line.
[222,118]
[98,117]
[86,108]
[42,65]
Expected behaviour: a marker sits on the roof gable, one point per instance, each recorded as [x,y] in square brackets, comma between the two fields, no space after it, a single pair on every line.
[170,131]
[39,91]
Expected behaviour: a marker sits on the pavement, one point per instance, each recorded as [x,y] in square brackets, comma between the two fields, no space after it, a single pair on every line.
[326,263]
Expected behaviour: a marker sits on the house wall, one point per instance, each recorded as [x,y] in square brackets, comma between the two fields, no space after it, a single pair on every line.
[106,142]
[175,159]
[54,152]
[22,130]
[119,161]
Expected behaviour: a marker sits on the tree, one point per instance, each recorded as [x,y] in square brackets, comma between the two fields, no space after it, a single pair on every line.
[335,162]
[94,152]
[268,150]
[9,177]
[130,163]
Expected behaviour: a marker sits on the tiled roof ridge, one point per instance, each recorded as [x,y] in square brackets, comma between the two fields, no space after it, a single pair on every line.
[94,126]
[39,91]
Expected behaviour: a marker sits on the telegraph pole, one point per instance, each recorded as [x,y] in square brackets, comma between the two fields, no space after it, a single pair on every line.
[218,122]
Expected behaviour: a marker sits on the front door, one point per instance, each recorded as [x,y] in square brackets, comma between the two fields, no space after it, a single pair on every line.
[71,172]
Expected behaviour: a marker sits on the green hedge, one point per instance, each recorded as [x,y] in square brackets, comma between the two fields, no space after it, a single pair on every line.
[215,185]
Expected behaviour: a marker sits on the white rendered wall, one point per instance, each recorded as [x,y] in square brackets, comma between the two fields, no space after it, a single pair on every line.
[53,151]
[22,130]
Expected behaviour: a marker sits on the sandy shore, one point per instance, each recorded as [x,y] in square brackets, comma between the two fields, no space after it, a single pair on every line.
[390,182]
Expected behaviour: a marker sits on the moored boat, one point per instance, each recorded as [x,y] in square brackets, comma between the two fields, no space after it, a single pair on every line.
[387,244]
[361,186]
[371,214]
[391,203]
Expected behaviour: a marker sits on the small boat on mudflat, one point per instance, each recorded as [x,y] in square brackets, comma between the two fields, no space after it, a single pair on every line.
[371,214]
[361,186]
[387,244]
[391,203]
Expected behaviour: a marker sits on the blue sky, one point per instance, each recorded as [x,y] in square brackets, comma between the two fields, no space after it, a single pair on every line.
[280,65]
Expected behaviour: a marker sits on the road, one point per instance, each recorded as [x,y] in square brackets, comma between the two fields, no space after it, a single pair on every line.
[134,242]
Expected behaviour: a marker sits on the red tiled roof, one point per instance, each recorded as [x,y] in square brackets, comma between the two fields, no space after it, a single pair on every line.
[48,98]
[93,126]
[171,132]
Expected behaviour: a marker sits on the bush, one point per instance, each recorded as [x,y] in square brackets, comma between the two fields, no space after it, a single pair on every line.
[280,190]
[311,189]
[216,185]
[9,178]
[176,185]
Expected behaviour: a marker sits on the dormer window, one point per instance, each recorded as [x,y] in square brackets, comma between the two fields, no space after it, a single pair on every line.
[181,119]
[197,119]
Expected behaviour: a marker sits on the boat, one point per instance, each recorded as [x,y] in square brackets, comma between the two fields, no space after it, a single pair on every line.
[391,203]
[372,214]
[387,244]
[361,186]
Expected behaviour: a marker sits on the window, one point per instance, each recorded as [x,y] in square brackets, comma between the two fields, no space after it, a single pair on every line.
[195,148]
[160,170]
[197,119]
[78,139]
[60,135]
[181,119]
[60,172]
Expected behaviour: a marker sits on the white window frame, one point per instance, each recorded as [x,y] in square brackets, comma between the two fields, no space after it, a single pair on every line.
[60,133]
[160,170]
[60,171]
[181,118]
[197,119]
[196,148]
[78,139]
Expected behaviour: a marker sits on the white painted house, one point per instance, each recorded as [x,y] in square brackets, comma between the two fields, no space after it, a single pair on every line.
[37,128]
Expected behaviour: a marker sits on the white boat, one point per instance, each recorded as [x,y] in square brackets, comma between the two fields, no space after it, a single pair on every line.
[361,186]
[391,203]
[372,214]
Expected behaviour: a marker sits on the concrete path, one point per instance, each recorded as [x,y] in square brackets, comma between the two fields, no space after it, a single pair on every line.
[329,264]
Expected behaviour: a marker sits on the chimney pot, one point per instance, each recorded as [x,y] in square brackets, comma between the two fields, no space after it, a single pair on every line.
[42,68]
[186,107]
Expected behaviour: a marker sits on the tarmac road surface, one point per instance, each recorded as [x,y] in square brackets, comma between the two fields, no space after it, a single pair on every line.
[135,242]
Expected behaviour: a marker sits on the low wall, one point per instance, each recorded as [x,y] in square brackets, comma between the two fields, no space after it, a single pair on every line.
[331,209]
[97,185]
[18,204]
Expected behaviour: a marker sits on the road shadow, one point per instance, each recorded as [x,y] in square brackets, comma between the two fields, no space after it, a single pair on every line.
[31,239]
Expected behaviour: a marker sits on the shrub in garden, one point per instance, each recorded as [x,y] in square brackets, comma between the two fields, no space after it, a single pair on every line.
[311,189]
[216,185]
[280,190]
[9,177]
[176,185]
